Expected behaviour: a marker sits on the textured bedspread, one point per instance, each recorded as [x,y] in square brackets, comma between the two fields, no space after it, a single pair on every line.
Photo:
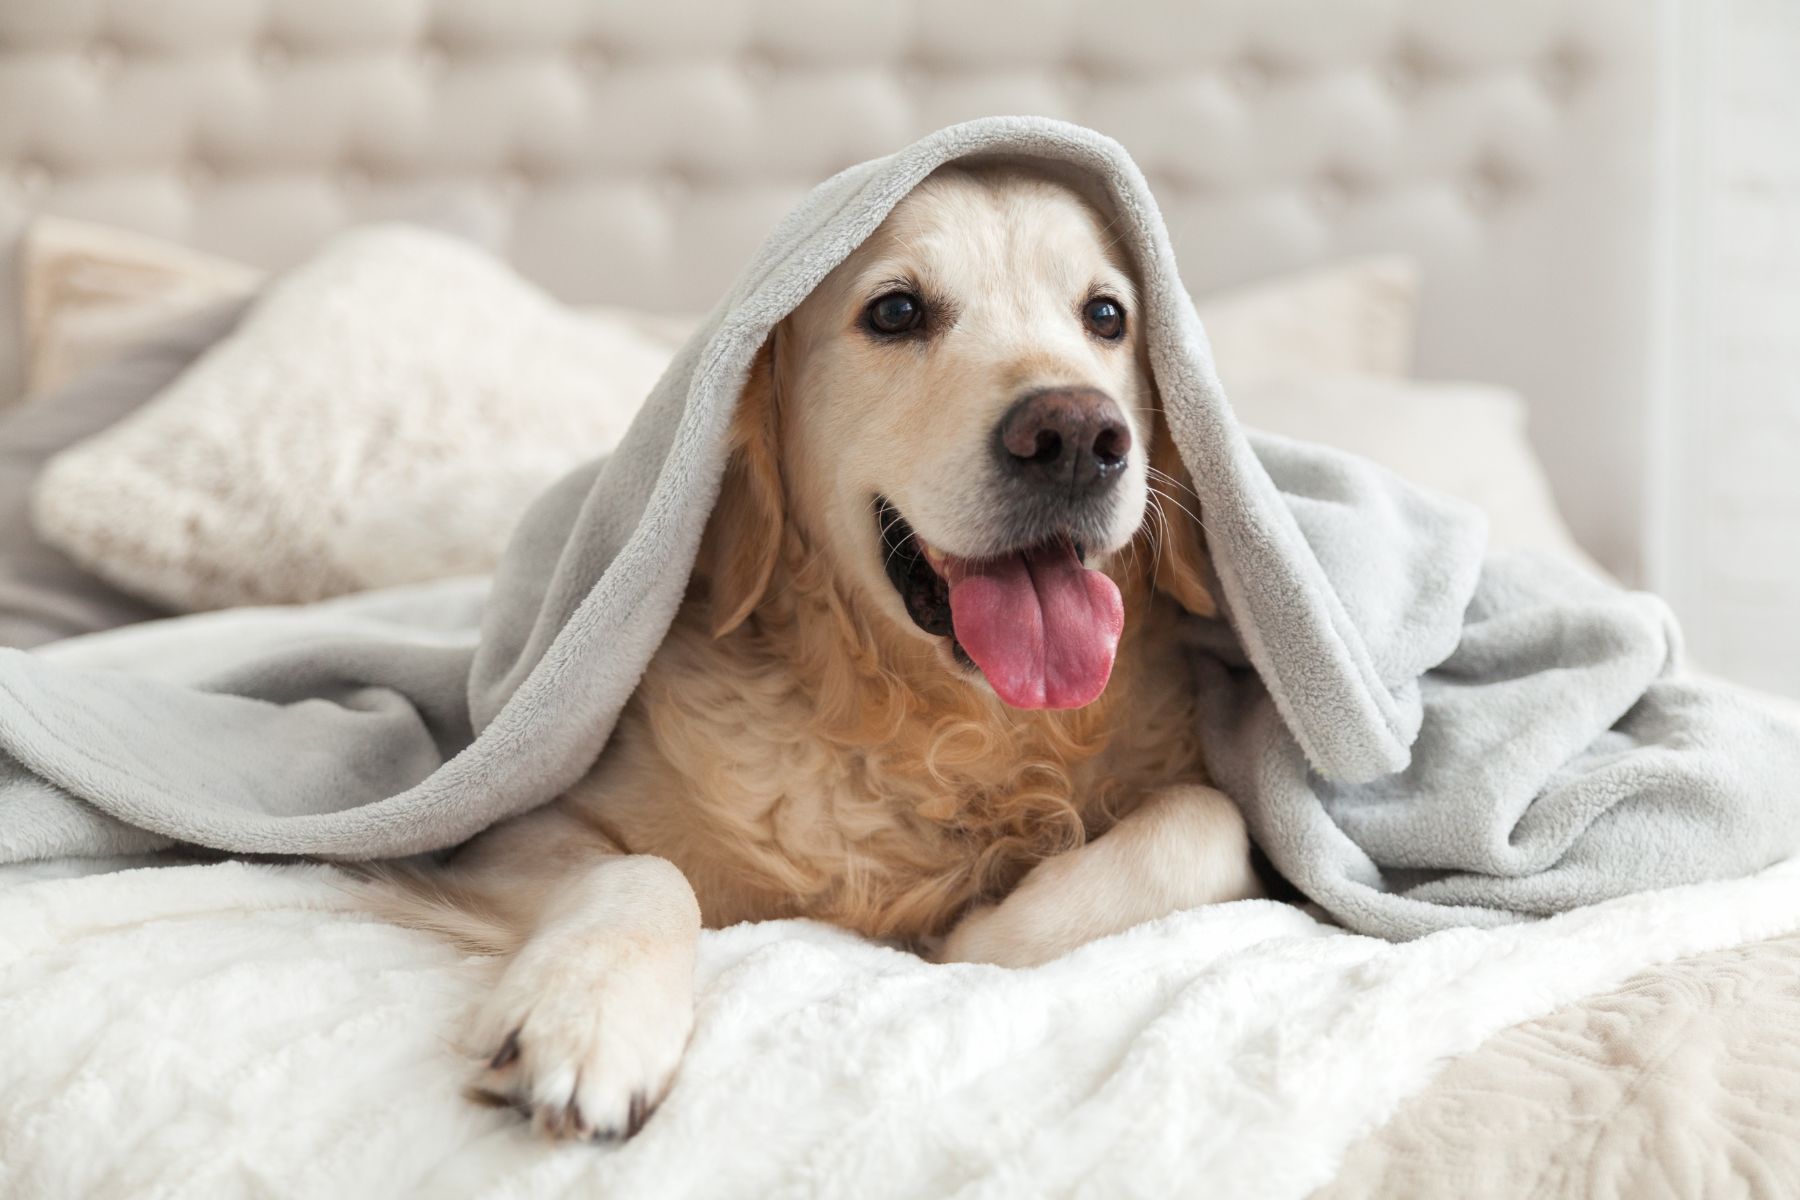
[238,1030]
[1684,1081]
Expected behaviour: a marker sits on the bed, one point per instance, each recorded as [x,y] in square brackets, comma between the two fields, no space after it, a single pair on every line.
[177,1027]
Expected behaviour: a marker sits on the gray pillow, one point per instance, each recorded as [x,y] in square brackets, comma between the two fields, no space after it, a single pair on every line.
[43,595]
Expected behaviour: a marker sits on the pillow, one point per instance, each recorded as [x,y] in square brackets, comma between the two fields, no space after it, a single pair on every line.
[43,595]
[1355,317]
[388,410]
[89,291]
[1466,439]
[382,415]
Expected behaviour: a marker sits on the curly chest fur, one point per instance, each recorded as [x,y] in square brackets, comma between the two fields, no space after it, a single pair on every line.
[796,777]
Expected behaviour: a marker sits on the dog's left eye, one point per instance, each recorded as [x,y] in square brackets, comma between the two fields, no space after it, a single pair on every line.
[896,312]
[1104,317]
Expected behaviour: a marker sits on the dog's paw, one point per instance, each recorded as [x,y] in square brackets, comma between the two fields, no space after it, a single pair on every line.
[584,1036]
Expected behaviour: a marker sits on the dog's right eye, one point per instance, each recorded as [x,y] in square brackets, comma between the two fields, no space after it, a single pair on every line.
[896,313]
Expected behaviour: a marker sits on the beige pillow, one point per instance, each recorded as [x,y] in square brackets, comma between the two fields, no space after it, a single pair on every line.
[382,415]
[390,408]
[1356,317]
[89,291]
[1462,438]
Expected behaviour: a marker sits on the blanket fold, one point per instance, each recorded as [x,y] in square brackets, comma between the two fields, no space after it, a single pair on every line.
[1420,738]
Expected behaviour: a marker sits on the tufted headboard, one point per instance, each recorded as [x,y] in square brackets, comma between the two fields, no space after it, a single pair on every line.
[636,153]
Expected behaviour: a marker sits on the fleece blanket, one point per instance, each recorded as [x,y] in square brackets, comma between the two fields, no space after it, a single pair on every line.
[243,1030]
[1420,738]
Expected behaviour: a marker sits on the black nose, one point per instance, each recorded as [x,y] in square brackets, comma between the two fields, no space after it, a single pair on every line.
[1068,439]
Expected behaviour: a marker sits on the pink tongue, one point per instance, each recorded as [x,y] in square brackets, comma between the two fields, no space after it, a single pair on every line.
[1041,627]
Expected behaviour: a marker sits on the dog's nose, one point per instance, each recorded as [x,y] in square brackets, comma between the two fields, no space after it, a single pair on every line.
[1064,438]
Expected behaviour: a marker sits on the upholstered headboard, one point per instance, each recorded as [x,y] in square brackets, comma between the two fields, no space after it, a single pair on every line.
[635,153]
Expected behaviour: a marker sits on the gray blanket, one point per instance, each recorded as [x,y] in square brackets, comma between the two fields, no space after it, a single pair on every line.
[1420,739]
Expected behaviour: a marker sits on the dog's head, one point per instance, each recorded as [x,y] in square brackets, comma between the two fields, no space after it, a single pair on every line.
[962,417]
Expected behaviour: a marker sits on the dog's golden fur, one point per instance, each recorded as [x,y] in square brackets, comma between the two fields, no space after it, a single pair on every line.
[798,747]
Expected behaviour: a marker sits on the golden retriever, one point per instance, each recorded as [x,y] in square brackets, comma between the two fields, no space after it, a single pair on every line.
[925,661]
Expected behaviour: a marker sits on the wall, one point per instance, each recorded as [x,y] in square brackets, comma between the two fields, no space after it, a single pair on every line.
[1729,516]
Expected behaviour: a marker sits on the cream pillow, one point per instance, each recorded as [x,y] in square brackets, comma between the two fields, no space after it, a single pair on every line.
[89,291]
[382,415]
[1462,438]
[1356,317]
[387,410]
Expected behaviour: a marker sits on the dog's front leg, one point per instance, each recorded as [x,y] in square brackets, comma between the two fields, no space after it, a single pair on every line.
[588,1022]
[1183,847]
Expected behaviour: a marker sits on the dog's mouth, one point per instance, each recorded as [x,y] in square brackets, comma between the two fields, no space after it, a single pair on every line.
[1041,627]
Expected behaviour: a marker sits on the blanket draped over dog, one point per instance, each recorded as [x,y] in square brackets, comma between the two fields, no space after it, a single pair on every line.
[1421,738]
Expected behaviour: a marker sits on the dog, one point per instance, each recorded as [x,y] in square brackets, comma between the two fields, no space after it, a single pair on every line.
[924,683]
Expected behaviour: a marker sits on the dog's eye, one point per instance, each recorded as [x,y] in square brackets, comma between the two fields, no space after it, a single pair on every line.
[896,312]
[1104,317]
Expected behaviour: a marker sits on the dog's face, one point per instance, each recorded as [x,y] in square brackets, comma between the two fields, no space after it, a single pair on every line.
[962,417]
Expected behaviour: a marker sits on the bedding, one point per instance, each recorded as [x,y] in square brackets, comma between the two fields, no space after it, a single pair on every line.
[240,1029]
[88,292]
[1420,739]
[1682,1081]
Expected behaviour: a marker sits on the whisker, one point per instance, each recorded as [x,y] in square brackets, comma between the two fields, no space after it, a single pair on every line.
[1178,504]
[1172,480]
[1156,531]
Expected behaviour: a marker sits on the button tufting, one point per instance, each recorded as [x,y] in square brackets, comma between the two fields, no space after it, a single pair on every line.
[1333,190]
[1078,79]
[513,185]
[1409,70]
[32,176]
[199,173]
[354,177]
[1490,181]
[675,186]
[105,57]
[1404,78]
[758,68]
[915,74]
[433,57]
[272,55]
[592,58]
[1561,71]
[1249,74]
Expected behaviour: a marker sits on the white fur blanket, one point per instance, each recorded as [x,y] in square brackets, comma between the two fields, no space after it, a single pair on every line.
[240,1030]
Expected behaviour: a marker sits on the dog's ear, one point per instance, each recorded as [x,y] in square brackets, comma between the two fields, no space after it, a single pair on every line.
[1181,564]
[743,539]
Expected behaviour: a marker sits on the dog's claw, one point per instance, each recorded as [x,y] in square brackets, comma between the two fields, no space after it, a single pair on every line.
[554,1121]
[640,1112]
[507,1054]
